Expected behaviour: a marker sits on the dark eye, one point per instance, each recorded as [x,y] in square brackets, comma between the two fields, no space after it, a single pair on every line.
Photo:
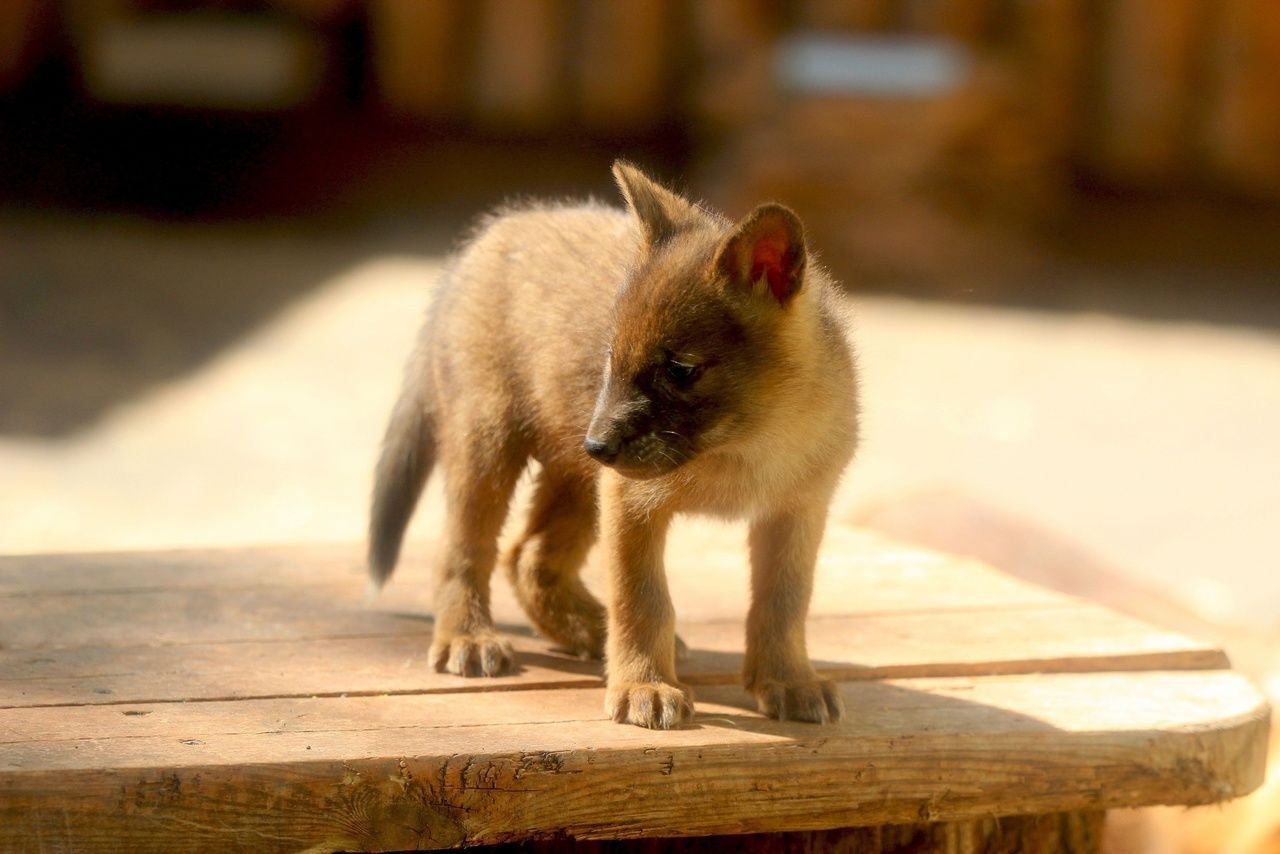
[681,373]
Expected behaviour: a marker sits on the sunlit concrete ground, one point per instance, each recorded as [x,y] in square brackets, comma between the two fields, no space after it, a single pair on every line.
[1133,461]
[1154,445]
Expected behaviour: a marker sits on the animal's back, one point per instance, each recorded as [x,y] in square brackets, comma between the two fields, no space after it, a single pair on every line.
[523,319]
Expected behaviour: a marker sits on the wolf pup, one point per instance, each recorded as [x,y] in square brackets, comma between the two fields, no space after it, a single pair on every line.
[654,361]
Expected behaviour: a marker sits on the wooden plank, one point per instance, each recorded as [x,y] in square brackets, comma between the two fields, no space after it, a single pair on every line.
[381,773]
[193,569]
[262,566]
[858,572]
[289,593]
[1067,638]
[60,621]
[285,622]
[127,618]
[305,668]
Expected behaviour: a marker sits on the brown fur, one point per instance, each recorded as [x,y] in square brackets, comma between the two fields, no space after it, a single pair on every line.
[705,362]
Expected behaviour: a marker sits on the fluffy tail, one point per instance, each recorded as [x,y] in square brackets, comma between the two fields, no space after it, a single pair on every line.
[408,454]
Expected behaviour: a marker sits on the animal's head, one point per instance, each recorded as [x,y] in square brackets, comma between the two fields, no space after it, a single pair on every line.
[705,330]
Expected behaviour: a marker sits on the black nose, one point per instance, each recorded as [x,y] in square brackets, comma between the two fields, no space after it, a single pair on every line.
[606,451]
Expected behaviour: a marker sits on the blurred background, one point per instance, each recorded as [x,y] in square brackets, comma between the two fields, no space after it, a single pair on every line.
[1059,221]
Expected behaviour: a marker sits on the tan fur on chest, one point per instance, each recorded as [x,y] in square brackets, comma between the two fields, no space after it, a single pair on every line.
[781,461]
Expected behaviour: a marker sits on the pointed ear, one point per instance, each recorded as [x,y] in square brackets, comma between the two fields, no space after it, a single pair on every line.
[661,212]
[765,254]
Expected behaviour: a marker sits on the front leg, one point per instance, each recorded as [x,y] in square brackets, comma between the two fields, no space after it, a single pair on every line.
[642,687]
[784,549]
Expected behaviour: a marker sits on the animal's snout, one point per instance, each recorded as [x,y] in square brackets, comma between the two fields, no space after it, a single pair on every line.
[604,450]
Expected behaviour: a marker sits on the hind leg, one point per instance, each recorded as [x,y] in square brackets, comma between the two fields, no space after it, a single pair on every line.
[479,480]
[544,563]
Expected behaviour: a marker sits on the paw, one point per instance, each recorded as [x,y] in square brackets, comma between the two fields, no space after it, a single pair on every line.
[569,617]
[655,705]
[814,700]
[578,629]
[472,655]
[587,645]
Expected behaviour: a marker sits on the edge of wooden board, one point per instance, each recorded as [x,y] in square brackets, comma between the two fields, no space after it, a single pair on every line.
[922,750]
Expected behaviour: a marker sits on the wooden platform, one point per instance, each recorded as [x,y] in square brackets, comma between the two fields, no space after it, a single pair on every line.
[245,700]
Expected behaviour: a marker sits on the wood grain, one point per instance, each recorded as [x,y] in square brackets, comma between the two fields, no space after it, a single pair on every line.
[858,572]
[1068,638]
[381,773]
[204,625]
[210,701]
[290,593]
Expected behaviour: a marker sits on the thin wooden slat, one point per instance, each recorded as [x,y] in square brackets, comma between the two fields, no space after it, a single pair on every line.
[264,566]
[1065,638]
[352,666]
[1069,638]
[857,573]
[707,565]
[60,621]
[129,618]
[385,773]
[697,548]
[285,622]
[859,570]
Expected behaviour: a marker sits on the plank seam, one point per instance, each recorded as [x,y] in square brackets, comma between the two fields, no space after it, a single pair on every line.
[1214,661]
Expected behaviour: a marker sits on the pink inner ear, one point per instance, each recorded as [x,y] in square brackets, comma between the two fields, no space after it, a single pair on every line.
[769,259]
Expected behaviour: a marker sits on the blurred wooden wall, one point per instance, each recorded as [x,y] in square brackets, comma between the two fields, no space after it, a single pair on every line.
[530,65]
[1142,94]
[1184,91]
[1139,94]
[1146,94]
